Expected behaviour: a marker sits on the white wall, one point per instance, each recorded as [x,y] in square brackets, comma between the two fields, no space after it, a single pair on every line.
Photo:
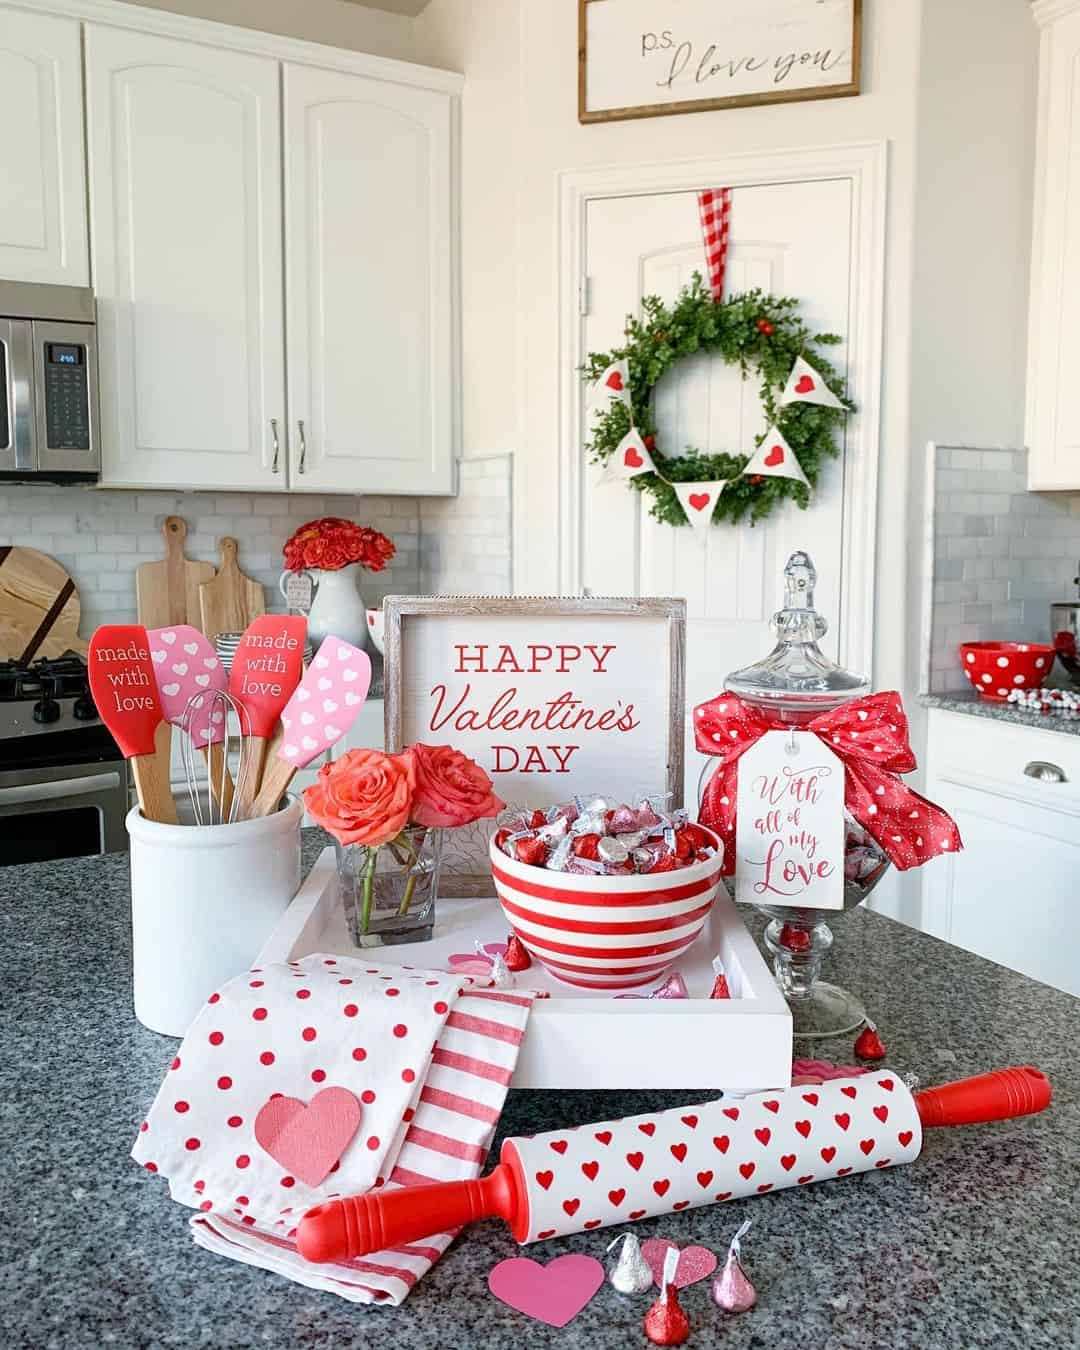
[334,22]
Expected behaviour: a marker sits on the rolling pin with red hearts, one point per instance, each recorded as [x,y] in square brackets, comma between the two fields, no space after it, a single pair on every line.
[566,1181]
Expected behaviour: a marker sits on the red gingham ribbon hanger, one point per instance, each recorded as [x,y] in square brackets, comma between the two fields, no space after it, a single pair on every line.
[715,207]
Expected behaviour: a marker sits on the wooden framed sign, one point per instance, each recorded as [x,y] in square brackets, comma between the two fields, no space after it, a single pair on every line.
[552,697]
[648,58]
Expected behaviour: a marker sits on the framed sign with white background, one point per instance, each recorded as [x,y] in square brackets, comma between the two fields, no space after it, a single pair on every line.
[648,58]
[553,697]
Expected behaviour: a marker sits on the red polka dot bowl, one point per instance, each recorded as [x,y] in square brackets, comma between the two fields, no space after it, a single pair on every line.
[995,669]
[606,932]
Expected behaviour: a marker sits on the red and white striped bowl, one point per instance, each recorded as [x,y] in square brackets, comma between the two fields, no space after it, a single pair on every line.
[601,932]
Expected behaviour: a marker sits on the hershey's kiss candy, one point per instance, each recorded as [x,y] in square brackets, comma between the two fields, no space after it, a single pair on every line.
[673,987]
[731,1289]
[720,985]
[500,974]
[612,850]
[630,1274]
[869,1044]
[665,1322]
[517,958]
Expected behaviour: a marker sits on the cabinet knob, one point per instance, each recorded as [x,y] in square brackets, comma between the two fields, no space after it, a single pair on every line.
[303,444]
[1045,772]
[277,447]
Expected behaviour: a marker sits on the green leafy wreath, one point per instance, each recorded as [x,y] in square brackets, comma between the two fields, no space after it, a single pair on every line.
[755,331]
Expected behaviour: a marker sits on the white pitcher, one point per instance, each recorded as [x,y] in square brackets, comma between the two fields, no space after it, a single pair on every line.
[336,605]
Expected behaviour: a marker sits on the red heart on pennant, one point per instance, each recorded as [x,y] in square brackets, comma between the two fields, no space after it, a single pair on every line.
[632,459]
[615,381]
[308,1139]
[699,500]
[775,456]
[617,1197]
[545,1179]
[635,1160]
[905,1137]
[590,1169]
[805,385]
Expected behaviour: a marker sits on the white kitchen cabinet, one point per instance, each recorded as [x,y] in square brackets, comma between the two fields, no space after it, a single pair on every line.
[369,268]
[42,162]
[1053,393]
[1010,895]
[186,236]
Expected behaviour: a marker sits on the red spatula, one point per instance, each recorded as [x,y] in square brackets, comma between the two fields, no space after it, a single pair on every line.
[124,687]
[266,669]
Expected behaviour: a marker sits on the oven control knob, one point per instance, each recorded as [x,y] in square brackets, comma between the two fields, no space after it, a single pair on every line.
[46,709]
[84,709]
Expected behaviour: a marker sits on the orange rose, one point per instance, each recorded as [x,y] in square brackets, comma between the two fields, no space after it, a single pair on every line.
[364,797]
[451,789]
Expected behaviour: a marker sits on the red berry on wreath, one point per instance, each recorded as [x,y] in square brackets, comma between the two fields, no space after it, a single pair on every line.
[650,442]
[756,478]
[764,326]
[516,958]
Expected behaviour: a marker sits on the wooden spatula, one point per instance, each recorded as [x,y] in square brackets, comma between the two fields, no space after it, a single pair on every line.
[229,602]
[322,709]
[168,592]
[124,687]
[185,665]
[266,669]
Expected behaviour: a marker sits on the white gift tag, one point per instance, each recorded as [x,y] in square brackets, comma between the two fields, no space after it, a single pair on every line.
[789,827]
[298,590]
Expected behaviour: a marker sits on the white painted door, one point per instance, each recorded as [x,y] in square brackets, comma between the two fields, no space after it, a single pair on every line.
[185,181]
[368,215]
[788,239]
[42,162]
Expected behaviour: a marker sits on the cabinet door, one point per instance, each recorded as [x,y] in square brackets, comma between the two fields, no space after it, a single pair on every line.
[185,180]
[1011,894]
[368,210]
[42,158]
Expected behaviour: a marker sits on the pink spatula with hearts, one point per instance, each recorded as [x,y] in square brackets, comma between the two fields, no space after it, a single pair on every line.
[124,687]
[186,666]
[320,712]
[265,671]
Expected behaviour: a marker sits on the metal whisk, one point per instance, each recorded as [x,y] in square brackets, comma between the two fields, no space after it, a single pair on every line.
[215,726]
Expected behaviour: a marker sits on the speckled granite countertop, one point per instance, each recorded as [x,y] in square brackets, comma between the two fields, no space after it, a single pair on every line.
[974,706]
[972,1246]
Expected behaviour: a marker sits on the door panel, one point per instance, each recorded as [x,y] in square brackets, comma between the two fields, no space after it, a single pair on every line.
[186,207]
[368,271]
[42,166]
[788,239]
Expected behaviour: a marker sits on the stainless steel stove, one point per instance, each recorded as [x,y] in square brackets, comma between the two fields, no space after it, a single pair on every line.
[63,782]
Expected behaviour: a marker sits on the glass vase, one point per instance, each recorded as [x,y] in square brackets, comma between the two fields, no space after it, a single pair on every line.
[389,893]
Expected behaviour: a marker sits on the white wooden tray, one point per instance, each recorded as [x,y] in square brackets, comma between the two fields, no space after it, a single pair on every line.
[582,1038]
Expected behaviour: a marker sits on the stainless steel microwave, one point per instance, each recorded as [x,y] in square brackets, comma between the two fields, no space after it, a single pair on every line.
[49,425]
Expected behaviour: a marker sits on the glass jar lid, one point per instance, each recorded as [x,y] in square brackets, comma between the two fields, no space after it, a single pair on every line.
[797,675]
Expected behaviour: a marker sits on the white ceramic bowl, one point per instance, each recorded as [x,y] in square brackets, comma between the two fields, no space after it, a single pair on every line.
[602,932]
[376,621]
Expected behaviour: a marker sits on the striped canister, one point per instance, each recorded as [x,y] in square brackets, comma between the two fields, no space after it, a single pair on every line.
[606,932]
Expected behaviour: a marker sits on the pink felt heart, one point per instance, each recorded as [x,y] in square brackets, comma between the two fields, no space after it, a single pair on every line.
[775,456]
[805,385]
[615,381]
[308,1140]
[695,1263]
[554,1293]
[632,459]
[699,500]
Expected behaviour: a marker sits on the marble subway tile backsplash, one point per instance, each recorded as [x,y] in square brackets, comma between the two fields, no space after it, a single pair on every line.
[101,536]
[1001,556]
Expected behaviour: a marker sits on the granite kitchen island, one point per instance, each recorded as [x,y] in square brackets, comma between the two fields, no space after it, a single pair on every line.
[972,1246]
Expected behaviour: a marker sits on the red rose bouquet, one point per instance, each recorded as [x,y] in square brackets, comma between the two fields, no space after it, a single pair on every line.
[333,543]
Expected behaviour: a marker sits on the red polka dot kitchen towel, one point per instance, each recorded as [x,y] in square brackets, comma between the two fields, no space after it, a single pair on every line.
[325,1077]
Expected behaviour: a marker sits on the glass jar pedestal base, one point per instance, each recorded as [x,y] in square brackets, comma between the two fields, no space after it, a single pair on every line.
[798,946]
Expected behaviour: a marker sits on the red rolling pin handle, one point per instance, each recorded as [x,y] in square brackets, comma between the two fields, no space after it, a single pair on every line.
[1000,1095]
[360,1224]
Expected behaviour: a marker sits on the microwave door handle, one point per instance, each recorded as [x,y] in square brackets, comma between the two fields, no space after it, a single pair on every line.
[20,364]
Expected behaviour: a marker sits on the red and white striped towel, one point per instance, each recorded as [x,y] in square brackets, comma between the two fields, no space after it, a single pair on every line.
[445,1136]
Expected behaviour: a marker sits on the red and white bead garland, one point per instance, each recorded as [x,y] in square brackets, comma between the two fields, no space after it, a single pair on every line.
[1062,702]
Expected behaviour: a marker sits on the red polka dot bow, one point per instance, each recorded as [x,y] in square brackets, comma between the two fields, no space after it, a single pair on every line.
[870,735]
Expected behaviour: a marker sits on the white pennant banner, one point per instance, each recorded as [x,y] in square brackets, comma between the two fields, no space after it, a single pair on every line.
[805,385]
[631,457]
[698,501]
[774,458]
[614,384]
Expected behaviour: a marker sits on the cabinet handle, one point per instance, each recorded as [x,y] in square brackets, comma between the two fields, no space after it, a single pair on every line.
[303,444]
[1045,772]
[277,447]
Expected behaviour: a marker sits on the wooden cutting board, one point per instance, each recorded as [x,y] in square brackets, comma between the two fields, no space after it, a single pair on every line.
[230,602]
[39,607]
[168,592]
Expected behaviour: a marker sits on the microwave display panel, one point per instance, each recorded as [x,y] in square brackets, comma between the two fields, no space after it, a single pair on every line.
[5,425]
